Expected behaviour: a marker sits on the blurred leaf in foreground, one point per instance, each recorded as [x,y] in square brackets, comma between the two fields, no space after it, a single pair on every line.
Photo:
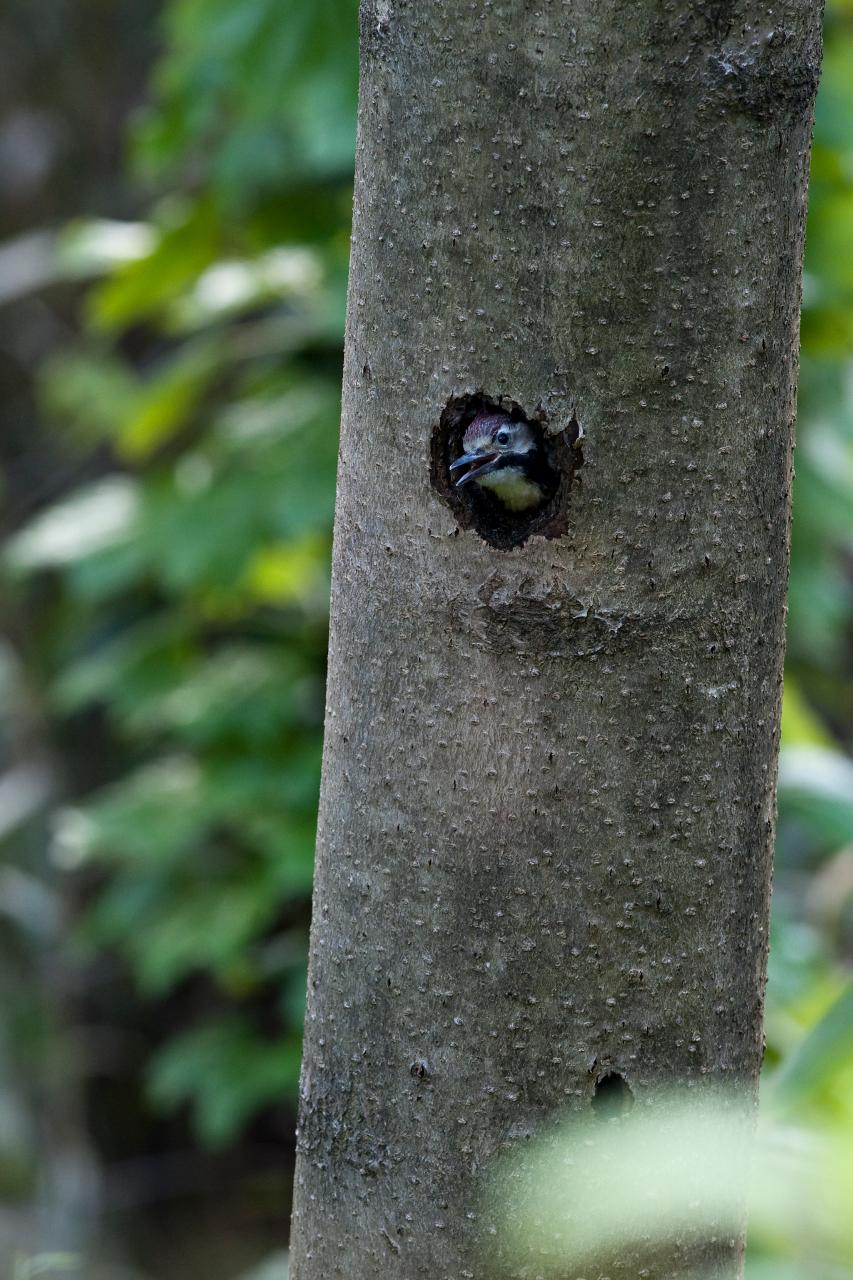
[666,1185]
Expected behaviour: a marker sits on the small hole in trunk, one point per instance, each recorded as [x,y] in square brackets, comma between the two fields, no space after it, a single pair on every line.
[612,1097]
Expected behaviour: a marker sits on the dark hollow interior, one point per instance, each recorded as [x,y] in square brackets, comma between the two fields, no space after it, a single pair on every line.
[613,1096]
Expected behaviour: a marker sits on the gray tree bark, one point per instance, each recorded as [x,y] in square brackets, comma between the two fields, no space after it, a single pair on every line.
[547,809]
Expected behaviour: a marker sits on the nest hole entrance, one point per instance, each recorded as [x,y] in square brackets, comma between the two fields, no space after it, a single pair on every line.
[473,506]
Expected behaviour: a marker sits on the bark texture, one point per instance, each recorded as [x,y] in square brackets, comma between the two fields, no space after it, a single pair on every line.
[548,794]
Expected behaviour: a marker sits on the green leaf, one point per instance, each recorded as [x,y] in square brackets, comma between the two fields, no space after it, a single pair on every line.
[227,1073]
[824,1052]
[164,405]
[92,389]
[816,786]
[259,96]
[184,246]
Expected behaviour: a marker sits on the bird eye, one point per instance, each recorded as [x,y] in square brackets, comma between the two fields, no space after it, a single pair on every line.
[503,436]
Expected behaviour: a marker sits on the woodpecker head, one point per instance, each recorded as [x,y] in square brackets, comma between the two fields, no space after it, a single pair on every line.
[504,457]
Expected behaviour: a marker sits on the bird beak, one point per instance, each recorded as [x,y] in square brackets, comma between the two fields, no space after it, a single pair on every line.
[472,465]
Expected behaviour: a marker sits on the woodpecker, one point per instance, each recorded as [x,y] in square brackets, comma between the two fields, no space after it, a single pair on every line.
[504,457]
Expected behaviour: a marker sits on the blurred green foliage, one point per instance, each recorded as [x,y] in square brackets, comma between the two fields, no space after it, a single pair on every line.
[183,586]
[812,928]
[190,577]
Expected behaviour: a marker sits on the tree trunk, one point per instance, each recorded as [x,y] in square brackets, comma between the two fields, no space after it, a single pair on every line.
[547,810]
